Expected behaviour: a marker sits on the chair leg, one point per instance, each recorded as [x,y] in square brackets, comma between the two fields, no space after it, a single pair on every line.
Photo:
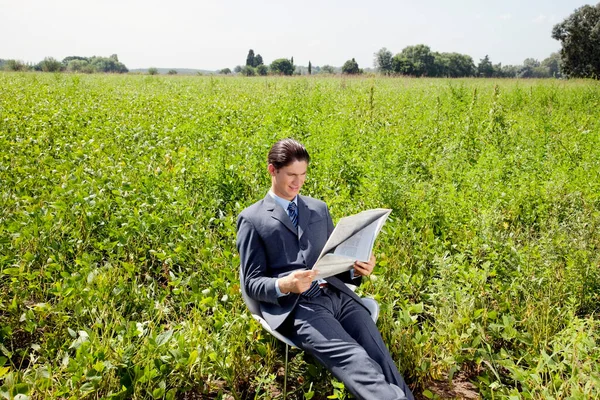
[285,372]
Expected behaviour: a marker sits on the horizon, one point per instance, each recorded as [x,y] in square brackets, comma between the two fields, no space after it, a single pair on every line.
[211,36]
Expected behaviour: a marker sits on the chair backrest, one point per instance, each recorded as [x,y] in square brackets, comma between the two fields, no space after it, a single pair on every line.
[252,304]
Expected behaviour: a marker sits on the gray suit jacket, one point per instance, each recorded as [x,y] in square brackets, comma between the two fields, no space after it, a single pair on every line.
[271,247]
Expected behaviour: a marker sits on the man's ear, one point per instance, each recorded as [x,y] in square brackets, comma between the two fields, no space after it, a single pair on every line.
[271,169]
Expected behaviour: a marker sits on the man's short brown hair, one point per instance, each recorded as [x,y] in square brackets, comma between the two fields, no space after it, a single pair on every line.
[285,152]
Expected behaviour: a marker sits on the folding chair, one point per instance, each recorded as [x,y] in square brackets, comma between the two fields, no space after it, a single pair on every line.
[254,308]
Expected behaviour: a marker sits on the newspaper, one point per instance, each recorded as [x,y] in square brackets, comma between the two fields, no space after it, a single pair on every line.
[351,240]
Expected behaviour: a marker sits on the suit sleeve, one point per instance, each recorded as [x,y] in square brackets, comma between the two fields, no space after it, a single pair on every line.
[253,262]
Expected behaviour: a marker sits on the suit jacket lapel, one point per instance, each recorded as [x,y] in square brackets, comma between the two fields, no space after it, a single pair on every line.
[303,216]
[279,213]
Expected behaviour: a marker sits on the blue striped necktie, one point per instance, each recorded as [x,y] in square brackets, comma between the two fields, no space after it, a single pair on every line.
[314,289]
[293,213]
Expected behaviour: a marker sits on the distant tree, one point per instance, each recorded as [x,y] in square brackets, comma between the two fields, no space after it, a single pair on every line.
[172,72]
[250,58]
[485,67]
[249,70]
[77,65]
[327,69]
[282,66]
[152,71]
[421,59]
[553,63]
[579,35]
[528,69]
[508,71]
[107,64]
[383,61]
[15,65]
[262,69]
[458,65]
[49,64]
[225,71]
[258,60]
[309,68]
[402,65]
[350,67]
[65,61]
[237,69]
[292,60]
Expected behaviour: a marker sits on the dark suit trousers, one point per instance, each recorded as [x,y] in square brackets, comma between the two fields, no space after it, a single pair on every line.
[340,333]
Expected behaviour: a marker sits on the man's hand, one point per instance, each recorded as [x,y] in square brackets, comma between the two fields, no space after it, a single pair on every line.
[297,281]
[364,268]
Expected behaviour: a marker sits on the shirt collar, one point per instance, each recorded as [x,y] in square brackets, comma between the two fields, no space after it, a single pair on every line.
[282,202]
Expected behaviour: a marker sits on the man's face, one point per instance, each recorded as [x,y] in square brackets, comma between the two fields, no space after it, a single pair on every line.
[286,182]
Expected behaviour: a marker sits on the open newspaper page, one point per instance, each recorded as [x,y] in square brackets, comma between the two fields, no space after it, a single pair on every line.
[351,240]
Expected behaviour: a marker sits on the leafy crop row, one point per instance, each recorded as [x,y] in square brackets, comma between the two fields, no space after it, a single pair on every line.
[118,201]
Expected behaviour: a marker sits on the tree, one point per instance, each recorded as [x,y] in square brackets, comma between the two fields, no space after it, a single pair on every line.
[485,67]
[328,69]
[68,59]
[309,68]
[172,72]
[225,71]
[402,65]
[282,66]
[152,71]
[258,60]
[383,61]
[553,64]
[15,65]
[78,65]
[579,35]
[250,58]
[455,65]
[350,67]
[237,69]
[110,64]
[415,60]
[49,64]
[248,70]
[262,70]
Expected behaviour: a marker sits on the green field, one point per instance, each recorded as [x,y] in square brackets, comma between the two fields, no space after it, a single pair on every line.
[118,203]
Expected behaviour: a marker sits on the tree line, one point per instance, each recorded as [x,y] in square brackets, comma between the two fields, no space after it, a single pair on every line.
[88,65]
[419,61]
[579,57]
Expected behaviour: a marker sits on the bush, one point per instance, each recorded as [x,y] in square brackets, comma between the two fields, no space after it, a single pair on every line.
[248,70]
[152,71]
[15,65]
[282,66]
[49,64]
[262,70]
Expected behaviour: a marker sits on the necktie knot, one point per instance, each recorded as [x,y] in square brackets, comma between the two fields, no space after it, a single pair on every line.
[293,213]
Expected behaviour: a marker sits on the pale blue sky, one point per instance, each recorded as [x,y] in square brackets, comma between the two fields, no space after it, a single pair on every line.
[211,34]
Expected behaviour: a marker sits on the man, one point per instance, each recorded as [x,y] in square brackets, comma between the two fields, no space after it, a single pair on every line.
[279,239]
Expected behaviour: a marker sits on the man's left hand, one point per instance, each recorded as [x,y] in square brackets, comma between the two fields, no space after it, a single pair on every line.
[364,268]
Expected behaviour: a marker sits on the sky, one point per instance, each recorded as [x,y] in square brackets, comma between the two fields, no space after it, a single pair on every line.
[213,34]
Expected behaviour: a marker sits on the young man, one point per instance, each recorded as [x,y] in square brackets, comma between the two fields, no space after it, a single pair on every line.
[279,239]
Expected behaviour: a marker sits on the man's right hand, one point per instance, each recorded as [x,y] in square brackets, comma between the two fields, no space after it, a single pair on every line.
[297,281]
